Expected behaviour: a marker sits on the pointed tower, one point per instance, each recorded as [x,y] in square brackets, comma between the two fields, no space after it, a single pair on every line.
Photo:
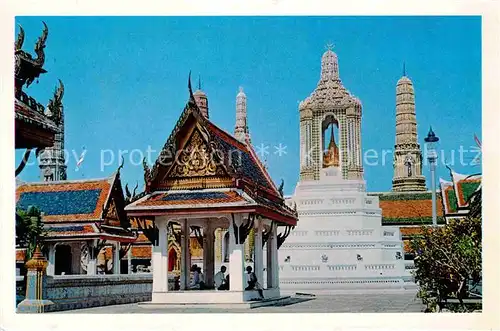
[241,128]
[201,99]
[330,105]
[52,161]
[407,153]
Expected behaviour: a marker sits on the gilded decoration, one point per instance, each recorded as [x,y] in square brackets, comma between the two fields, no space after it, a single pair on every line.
[195,160]
[112,215]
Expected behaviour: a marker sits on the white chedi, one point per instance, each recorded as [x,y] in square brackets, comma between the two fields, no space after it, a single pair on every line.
[339,241]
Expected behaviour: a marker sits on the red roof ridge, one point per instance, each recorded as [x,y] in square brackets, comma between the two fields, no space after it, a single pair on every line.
[227,135]
[247,147]
[262,168]
[109,179]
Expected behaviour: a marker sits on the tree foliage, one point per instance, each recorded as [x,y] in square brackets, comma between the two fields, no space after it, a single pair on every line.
[447,261]
[29,229]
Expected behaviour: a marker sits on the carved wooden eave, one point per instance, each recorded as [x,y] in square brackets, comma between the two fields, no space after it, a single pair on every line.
[27,68]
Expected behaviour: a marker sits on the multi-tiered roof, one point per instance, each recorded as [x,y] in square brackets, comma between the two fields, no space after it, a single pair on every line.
[79,209]
[202,168]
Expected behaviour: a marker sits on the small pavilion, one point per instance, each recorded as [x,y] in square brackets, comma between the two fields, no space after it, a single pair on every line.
[203,180]
[84,222]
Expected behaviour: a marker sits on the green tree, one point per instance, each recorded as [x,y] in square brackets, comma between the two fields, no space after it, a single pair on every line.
[447,261]
[29,230]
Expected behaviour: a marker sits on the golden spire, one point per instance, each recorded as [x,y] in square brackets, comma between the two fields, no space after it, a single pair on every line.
[331,156]
[38,261]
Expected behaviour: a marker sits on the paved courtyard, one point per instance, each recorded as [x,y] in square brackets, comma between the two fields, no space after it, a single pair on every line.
[393,302]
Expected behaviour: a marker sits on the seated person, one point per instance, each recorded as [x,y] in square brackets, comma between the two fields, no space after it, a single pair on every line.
[195,281]
[220,280]
[253,283]
[201,278]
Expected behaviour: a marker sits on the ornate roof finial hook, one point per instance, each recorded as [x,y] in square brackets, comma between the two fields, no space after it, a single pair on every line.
[40,45]
[329,46]
[199,82]
[189,86]
[121,165]
[20,38]
[404,68]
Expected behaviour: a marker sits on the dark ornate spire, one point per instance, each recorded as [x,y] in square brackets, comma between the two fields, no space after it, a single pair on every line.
[55,106]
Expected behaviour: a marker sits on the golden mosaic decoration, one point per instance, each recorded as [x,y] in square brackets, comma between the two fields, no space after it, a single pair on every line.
[195,160]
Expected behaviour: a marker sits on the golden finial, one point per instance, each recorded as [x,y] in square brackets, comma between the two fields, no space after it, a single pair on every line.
[37,261]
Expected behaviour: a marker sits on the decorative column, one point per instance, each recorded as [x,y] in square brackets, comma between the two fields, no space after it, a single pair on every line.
[236,257]
[208,254]
[274,255]
[272,258]
[160,258]
[116,258]
[36,292]
[51,268]
[129,260]
[258,252]
[92,264]
[269,262]
[185,256]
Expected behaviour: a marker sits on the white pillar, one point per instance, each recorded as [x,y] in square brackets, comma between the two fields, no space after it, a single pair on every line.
[269,262]
[116,258]
[129,260]
[160,258]
[274,256]
[185,261]
[92,265]
[258,252]
[236,258]
[51,267]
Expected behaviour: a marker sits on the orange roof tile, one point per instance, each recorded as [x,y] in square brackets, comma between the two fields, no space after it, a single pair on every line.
[192,198]
[61,201]
[141,252]
[410,230]
[409,208]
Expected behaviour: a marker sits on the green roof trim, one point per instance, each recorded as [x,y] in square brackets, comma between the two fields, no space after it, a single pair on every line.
[452,200]
[411,221]
[468,188]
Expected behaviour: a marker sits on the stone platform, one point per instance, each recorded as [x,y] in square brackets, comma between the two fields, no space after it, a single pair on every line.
[355,302]
[211,297]
[214,305]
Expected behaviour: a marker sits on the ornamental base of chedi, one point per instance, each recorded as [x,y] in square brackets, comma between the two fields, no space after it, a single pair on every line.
[339,242]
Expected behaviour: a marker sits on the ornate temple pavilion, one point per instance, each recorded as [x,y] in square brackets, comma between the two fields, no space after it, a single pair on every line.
[80,218]
[203,180]
[35,125]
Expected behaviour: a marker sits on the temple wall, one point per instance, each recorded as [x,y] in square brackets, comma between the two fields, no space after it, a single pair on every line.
[81,291]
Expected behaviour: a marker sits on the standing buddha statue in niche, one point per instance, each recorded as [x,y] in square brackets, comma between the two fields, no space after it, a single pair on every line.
[331,155]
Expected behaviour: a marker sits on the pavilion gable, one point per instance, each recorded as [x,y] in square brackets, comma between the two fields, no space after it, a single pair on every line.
[196,164]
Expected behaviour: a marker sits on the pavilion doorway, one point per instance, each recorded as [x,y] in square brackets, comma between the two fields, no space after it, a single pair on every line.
[63,260]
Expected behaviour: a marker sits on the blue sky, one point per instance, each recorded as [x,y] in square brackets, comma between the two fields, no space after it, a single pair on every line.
[126,81]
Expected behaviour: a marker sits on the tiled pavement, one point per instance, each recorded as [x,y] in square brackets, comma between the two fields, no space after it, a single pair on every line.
[394,302]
